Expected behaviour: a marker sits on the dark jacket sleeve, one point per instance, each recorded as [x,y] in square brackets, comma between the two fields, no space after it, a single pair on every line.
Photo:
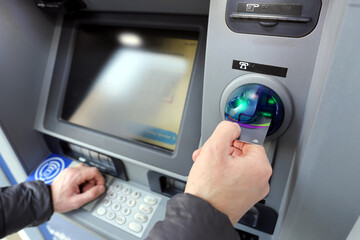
[24,205]
[189,217]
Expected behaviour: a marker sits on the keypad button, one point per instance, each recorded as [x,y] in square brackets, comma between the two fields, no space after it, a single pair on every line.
[136,227]
[116,207]
[110,215]
[140,217]
[136,194]
[127,207]
[126,190]
[117,187]
[126,211]
[120,220]
[150,200]
[121,198]
[106,202]
[101,211]
[112,194]
[131,202]
[145,208]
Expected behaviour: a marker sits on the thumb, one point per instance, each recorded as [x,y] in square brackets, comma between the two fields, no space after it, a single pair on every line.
[223,137]
[89,195]
[195,154]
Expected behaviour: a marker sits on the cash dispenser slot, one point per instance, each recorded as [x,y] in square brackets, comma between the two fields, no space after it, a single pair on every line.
[165,185]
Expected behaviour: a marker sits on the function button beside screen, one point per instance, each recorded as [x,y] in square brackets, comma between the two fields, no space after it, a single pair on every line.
[75,148]
[86,152]
[94,156]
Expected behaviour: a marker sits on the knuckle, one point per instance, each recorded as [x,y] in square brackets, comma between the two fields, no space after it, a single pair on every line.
[93,170]
[92,194]
[265,191]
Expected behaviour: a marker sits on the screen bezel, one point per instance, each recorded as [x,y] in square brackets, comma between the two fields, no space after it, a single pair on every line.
[178,161]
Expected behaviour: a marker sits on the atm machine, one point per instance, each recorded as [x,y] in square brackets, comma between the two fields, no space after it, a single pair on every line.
[134,87]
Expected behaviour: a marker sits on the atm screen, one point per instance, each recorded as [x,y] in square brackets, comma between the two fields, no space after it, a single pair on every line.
[130,83]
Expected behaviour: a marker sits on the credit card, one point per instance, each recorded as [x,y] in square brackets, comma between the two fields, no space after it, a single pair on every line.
[254,132]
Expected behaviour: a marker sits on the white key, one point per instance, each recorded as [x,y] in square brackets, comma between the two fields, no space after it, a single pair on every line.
[121,198]
[150,200]
[112,194]
[136,195]
[101,211]
[120,220]
[140,217]
[117,187]
[136,227]
[131,202]
[126,190]
[106,202]
[110,215]
[145,208]
[116,207]
[126,211]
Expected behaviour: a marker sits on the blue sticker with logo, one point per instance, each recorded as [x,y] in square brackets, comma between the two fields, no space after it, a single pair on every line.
[49,168]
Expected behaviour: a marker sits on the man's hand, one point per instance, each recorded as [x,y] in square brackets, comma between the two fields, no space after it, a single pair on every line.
[231,175]
[75,187]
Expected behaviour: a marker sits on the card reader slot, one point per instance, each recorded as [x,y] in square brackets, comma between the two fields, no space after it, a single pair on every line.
[270,17]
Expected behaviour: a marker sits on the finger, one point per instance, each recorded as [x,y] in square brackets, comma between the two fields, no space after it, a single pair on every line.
[86,186]
[223,137]
[89,173]
[195,154]
[245,147]
[238,144]
[249,148]
[89,195]
[78,165]
[235,152]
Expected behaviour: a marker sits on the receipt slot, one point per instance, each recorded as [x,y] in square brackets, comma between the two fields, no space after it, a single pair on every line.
[256,101]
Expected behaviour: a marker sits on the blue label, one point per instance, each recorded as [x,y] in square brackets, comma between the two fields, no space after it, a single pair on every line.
[49,169]
[152,133]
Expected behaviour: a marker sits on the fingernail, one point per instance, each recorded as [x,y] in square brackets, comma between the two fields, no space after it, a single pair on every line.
[101,189]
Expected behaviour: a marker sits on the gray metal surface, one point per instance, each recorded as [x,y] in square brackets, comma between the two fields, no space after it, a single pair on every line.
[24,44]
[325,195]
[298,55]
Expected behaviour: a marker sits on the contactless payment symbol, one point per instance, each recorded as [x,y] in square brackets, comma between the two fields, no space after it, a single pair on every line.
[49,168]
